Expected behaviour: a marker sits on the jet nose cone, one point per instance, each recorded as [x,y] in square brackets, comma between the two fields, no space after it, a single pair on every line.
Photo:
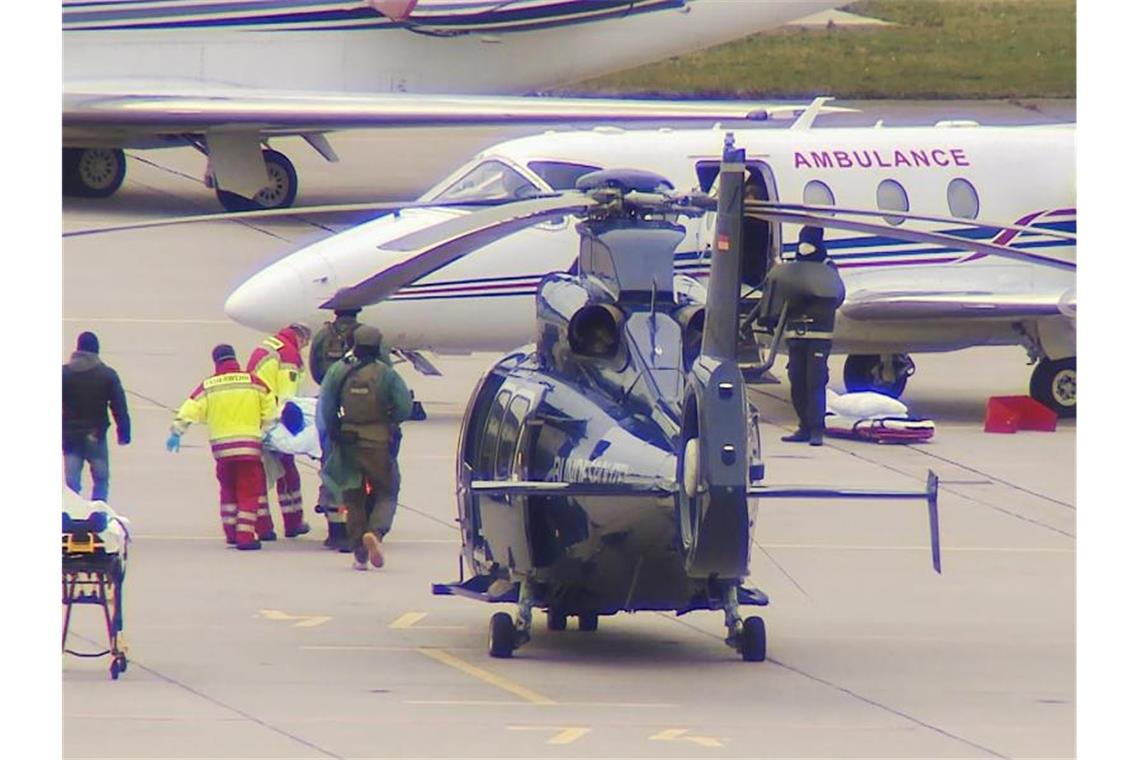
[269,299]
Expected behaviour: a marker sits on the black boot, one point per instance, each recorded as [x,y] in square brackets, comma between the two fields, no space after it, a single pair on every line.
[800,436]
[817,438]
[338,537]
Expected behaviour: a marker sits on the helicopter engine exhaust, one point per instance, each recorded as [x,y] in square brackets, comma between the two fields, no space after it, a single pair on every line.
[595,331]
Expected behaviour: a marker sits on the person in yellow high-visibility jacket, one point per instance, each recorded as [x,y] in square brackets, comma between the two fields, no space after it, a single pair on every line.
[277,361]
[236,407]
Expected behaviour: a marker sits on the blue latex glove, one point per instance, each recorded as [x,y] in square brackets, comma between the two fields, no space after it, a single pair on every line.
[174,442]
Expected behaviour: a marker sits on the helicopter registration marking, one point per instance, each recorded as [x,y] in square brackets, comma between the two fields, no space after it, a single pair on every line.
[486,676]
[578,470]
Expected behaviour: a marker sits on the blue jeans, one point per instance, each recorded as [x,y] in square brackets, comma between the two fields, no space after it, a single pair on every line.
[91,448]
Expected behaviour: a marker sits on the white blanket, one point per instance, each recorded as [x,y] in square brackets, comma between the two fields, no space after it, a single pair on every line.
[117,534]
[306,442]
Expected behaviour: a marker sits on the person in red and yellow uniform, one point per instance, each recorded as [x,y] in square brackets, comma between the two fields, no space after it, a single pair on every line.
[278,363]
[236,407]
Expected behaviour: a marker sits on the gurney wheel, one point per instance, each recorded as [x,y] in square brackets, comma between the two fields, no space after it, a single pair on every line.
[118,665]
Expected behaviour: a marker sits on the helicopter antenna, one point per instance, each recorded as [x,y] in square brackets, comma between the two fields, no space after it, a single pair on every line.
[724,276]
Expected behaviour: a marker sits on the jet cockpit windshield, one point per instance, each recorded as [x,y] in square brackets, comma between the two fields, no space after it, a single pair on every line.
[488,180]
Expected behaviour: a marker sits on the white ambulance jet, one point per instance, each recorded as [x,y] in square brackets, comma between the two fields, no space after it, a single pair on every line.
[224,76]
[908,290]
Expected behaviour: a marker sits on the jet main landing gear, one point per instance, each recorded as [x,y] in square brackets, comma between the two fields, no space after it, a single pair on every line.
[885,373]
[93,172]
[281,191]
[1054,384]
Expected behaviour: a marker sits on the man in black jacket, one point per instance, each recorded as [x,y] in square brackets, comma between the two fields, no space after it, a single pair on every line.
[89,387]
[812,291]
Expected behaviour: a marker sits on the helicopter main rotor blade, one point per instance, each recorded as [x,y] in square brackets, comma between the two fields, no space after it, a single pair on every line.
[274,213]
[1060,234]
[441,244]
[777,214]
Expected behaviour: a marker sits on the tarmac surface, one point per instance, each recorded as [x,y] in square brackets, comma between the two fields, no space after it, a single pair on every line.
[287,652]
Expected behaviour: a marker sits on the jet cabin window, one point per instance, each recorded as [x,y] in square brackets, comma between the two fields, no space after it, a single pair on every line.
[891,196]
[559,174]
[817,193]
[962,199]
[490,180]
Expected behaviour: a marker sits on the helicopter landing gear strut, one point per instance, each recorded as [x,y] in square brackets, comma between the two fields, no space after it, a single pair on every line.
[507,635]
[746,636]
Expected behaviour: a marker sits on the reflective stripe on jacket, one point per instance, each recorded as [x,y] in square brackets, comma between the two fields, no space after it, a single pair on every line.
[278,363]
[235,406]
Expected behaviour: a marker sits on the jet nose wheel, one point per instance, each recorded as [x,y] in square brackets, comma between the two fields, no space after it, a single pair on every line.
[502,642]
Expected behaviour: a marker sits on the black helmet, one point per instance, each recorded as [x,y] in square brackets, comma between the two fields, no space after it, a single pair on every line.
[366,337]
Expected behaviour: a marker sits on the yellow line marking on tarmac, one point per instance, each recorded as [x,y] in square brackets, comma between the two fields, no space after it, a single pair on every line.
[303,621]
[565,735]
[407,620]
[487,676]
[678,735]
[410,620]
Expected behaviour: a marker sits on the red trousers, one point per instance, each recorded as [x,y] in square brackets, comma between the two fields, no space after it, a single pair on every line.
[288,496]
[242,486]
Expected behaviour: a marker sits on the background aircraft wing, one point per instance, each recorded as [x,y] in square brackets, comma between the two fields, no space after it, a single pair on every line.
[201,109]
[868,305]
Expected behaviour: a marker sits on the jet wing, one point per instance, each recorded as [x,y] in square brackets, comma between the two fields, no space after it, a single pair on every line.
[198,109]
[867,305]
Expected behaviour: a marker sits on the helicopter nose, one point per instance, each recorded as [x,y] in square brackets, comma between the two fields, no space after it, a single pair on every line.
[268,300]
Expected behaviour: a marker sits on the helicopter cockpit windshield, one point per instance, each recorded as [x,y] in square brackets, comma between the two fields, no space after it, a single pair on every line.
[489,180]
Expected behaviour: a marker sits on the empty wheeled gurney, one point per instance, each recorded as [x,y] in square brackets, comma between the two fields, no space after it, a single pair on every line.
[95,541]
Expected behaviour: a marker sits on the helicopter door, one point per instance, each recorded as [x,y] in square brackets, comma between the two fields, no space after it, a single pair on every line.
[504,517]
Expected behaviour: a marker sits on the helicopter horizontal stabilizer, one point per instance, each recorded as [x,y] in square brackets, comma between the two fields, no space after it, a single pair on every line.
[547,488]
[930,495]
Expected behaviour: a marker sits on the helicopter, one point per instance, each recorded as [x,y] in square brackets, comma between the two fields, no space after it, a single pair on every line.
[615,464]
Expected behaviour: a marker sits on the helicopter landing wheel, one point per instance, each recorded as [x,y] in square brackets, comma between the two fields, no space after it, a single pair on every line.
[502,635]
[588,621]
[753,640]
[556,620]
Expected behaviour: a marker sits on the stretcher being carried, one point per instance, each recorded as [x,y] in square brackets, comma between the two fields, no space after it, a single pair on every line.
[95,541]
[870,416]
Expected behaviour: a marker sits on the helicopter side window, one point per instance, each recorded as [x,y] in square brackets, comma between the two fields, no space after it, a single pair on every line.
[560,175]
[509,437]
[490,180]
[491,435]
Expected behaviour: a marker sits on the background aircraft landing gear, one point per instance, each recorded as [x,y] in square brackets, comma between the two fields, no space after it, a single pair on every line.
[1054,384]
[93,172]
[882,373]
[281,191]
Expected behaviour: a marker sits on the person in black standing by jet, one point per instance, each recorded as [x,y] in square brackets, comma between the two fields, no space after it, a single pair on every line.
[812,291]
